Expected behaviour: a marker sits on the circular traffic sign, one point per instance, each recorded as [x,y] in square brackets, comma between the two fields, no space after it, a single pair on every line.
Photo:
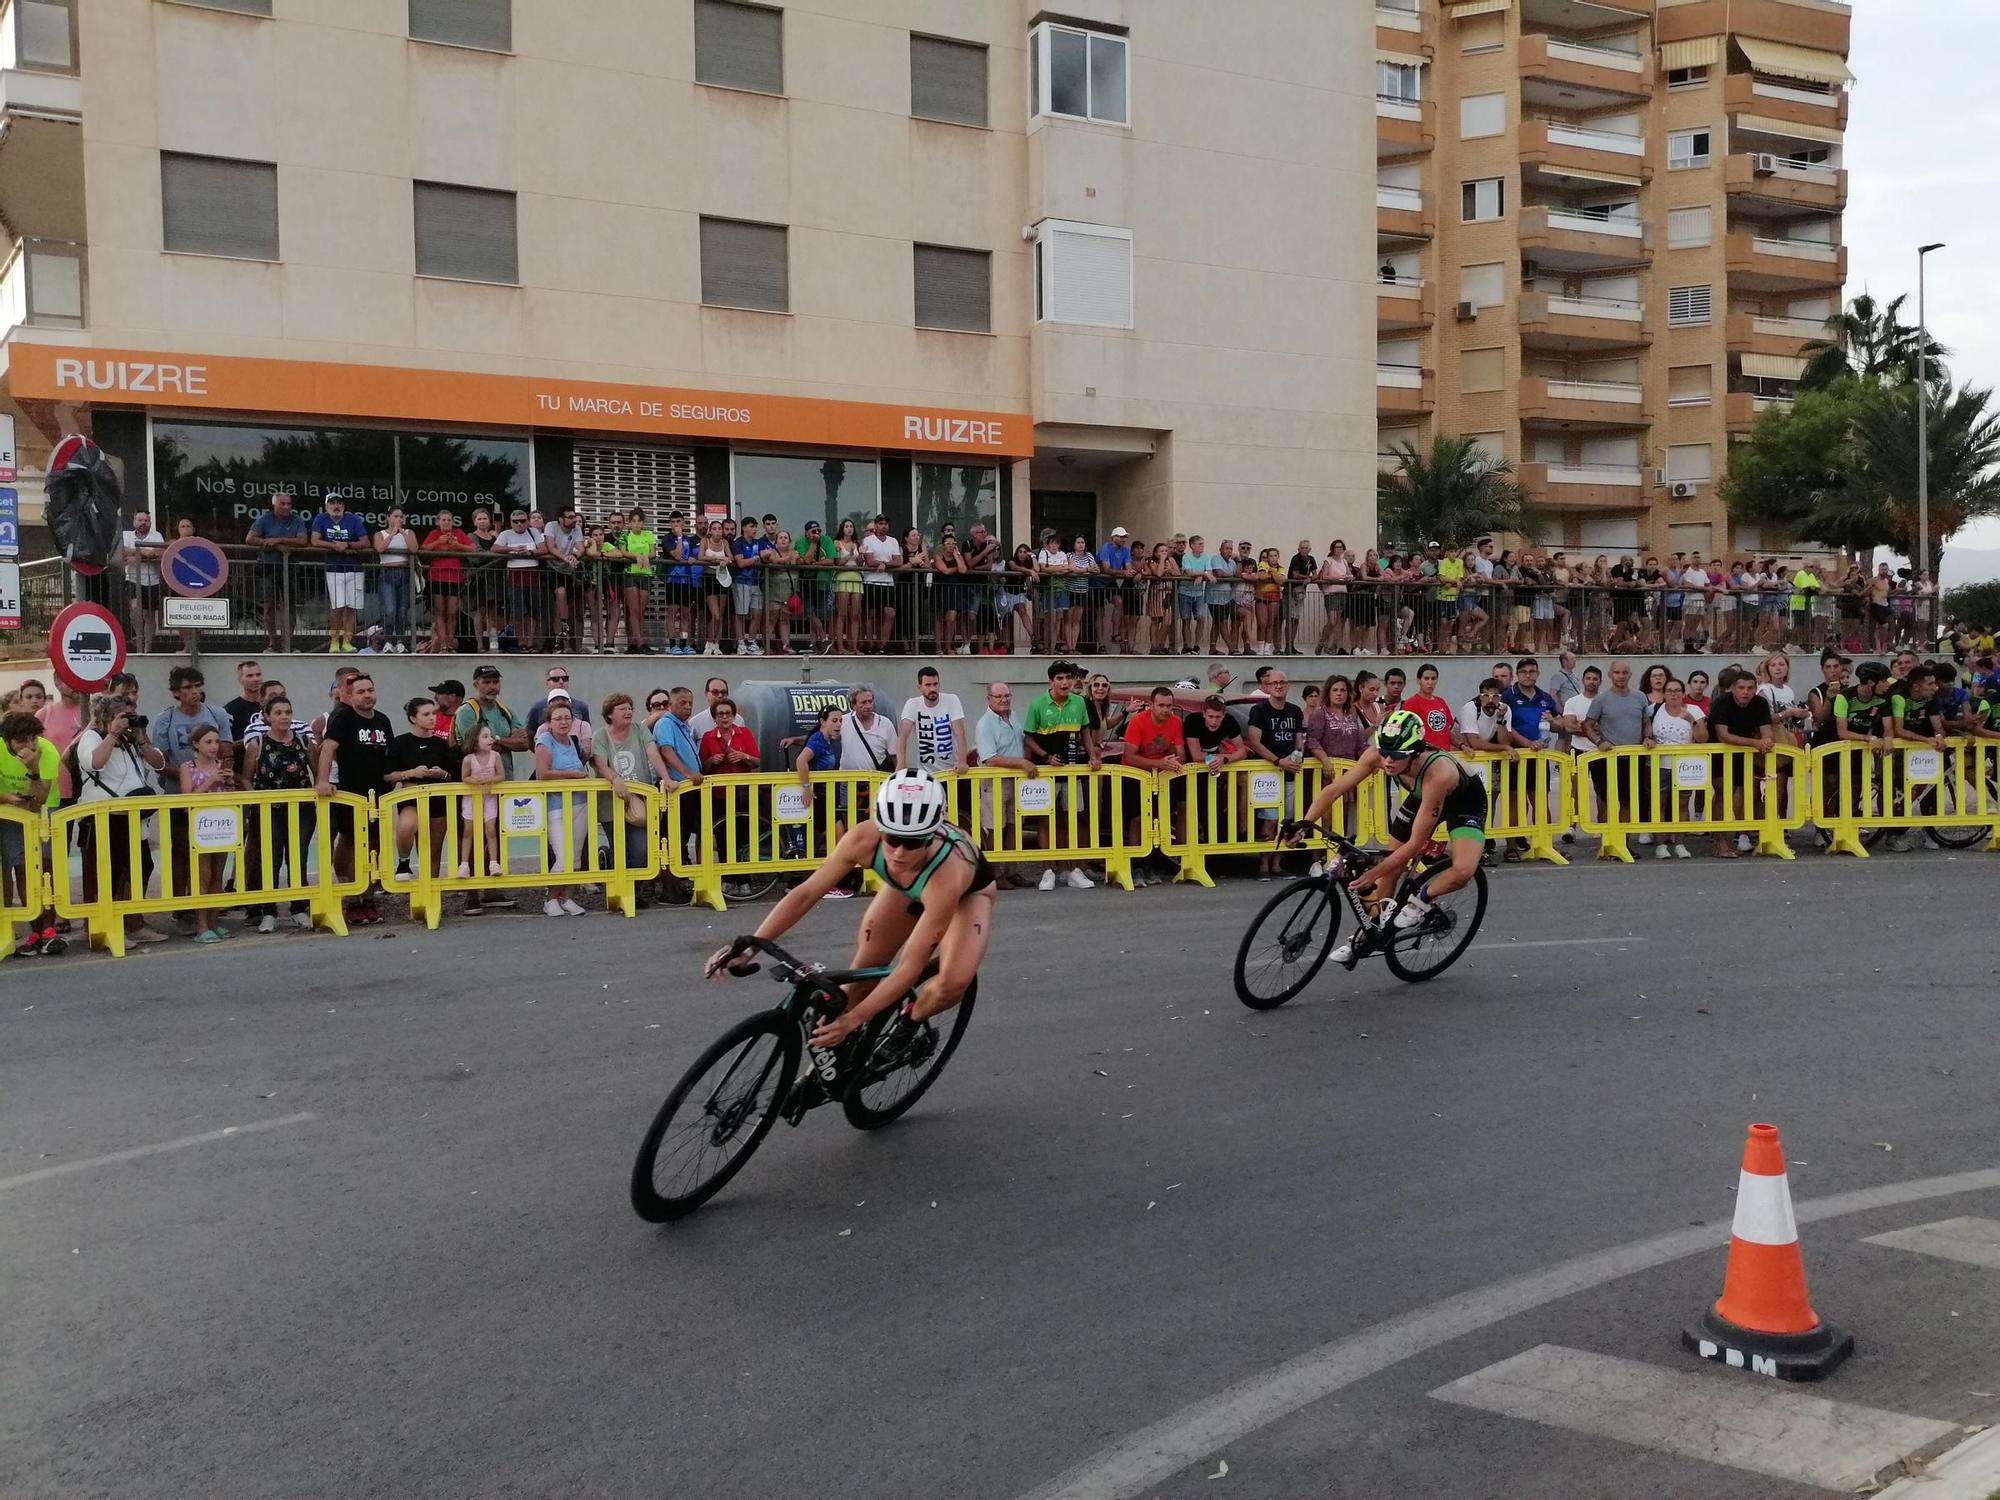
[194,567]
[86,647]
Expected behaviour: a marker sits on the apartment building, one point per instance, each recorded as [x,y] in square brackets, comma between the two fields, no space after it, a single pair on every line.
[1606,231]
[952,260]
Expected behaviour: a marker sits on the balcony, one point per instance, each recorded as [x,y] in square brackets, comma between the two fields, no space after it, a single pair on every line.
[1404,127]
[1553,322]
[1756,263]
[1575,75]
[1583,403]
[1403,304]
[1404,390]
[1821,24]
[1787,338]
[1404,213]
[1777,99]
[1770,183]
[41,108]
[1404,26]
[1571,239]
[1553,145]
[1741,409]
[43,285]
[1582,487]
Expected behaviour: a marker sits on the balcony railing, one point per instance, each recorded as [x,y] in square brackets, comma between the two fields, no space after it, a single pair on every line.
[1793,94]
[43,285]
[1399,377]
[1790,328]
[1585,221]
[1402,15]
[1596,57]
[1396,107]
[38,35]
[1805,171]
[1796,249]
[1595,140]
[1598,307]
[1594,474]
[1620,392]
[1405,200]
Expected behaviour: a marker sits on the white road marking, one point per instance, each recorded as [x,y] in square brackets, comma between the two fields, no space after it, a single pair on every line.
[64,1170]
[1974,1241]
[1756,1425]
[1604,942]
[1134,1464]
[1971,1471]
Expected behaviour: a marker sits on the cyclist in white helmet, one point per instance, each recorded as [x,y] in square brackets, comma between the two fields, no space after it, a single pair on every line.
[936,898]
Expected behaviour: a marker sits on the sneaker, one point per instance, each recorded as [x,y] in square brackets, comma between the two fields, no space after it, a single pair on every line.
[552,908]
[1316,869]
[302,920]
[965,651]
[472,907]
[493,867]
[30,945]
[267,923]
[1663,851]
[570,908]
[1414,911]
[711,649]
[1078,881]
[402,875]
[52,944]
[501,902]
[1681,852]
[1743,844]
[143,935]
[838,894]
[1345,955]
[1901,843]
[1047,882]
[465,872]
[1643,839]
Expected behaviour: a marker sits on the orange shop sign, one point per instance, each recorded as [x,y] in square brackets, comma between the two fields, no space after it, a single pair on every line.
[214,382]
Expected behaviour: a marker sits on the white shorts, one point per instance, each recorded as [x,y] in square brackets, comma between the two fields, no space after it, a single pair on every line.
[343,590]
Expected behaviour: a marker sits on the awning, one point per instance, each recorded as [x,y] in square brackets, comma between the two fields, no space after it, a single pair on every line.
[1462,8]
[1774,366]
[1702,52]
[1783,60]
[1763,125]
[1401,59]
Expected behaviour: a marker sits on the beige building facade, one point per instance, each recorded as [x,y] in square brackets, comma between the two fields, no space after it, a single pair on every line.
[945,259]
[1606,232]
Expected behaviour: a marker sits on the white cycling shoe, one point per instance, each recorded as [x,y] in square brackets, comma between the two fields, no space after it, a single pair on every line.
[1413,913]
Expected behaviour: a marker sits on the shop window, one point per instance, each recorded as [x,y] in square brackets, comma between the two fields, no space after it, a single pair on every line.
[797,488]
[956,495]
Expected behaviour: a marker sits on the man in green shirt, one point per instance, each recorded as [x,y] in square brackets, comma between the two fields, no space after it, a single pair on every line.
[32,791]
[1805,588]
[509,735]
[1060,733]
[816,551]
[639,542]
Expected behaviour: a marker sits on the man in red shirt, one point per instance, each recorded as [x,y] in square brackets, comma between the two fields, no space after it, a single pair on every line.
[728,746]
[1433,710]
[1155,741]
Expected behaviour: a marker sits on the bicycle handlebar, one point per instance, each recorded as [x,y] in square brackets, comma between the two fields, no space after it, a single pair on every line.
[789,969]
[1293,827]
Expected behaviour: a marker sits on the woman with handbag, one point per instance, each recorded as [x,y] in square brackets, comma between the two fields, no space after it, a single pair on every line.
[281,760]
[114,760]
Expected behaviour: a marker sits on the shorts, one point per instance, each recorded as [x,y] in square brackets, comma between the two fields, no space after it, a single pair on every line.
[1462,816]
[343,590]
[679,594]
[1672,611]
[1191,607]
[442,594]
[1057,599]
[749,597]
[1003,602]
[1544,607]
[479,809]
[1879,613]
[521,578]
[13,848]
[1468,605]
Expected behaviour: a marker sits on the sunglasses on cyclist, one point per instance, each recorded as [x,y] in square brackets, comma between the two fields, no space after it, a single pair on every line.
[906,841]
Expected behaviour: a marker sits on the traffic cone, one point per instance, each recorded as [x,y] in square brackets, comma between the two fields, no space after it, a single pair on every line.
[1763,1322]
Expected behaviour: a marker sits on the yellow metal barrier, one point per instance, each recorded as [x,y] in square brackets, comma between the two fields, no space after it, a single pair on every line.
[1235,810]
[537,833]
[250,833]
[1689,789]
[1528,796]
[1912,784]
[760,823]
[34,898]
[1060,813]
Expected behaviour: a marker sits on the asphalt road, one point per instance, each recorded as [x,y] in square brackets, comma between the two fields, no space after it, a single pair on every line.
[1127,1196]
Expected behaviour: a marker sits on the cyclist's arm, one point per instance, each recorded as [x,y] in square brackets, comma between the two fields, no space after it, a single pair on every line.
[1342,784]
[854,850]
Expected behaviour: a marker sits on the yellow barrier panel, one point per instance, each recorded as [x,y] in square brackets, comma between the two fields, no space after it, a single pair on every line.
[1059,814]
[1912,784]
[537,833]
[1683,789]
[1235,810]
[34,898]
[1528,796]
[760,823]
[246,848]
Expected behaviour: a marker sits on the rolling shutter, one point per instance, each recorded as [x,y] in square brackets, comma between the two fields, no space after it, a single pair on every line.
[212,205]
[466,233]
[744,265]
[488,24]
[947,80]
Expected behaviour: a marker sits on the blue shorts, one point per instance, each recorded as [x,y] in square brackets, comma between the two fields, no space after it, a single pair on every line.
[1191,608]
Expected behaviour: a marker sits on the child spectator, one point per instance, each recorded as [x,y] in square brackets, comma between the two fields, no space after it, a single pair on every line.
[204,773]
[481,767]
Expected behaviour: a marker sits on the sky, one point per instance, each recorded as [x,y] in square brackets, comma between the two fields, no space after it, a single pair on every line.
[1923,166]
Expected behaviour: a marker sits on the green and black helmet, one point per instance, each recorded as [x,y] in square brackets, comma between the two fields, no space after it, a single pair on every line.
[1401,735]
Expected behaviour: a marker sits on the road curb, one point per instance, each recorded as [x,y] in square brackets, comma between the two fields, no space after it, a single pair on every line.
[1971,1471]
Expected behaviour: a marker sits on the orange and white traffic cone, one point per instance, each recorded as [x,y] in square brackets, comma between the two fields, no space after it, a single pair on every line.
[1763,1322]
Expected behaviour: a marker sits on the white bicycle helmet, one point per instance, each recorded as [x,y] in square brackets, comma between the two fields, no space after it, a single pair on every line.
[910,804]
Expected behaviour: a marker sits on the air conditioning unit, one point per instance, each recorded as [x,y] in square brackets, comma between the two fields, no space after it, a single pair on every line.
[1681,489]
[1467,311]
[1763,165]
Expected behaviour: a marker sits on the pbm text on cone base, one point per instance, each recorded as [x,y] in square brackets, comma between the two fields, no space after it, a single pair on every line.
[1785,1356]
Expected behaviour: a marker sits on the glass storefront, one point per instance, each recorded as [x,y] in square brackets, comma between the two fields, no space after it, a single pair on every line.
[221,475]
[798,490]
[957,495]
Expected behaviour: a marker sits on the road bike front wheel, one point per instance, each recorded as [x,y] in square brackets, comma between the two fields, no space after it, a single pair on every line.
[886,1087]
[1445,932]
[1287,943]
[716,1116]
[1981,800]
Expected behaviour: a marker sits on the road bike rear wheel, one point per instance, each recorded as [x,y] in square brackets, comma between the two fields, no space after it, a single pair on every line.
[1287,943]
[880,1093]
[716,1116]
[1982,800]
[1446,931]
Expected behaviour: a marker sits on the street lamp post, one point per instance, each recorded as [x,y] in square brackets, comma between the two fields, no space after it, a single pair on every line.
[1923,421]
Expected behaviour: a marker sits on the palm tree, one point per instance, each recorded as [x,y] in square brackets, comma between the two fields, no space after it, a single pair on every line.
[1452,495]
[1870,340]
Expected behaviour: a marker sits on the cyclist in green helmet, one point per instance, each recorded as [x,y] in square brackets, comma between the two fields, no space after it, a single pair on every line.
[1439,794]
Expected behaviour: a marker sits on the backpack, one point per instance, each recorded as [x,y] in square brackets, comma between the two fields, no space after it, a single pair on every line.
[478,718]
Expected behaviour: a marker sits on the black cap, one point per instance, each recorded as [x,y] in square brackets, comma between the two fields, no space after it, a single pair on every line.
[1871,671]
[450,685]
[489,670]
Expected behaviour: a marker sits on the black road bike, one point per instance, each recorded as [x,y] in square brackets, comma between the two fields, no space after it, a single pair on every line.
[763,1067]
[1289,941]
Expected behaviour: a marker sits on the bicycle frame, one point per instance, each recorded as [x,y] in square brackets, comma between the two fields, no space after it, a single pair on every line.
[1352,861]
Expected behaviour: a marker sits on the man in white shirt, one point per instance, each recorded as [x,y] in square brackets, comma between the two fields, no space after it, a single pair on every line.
[878,595]
[522,544]
[1482,723]
[867,740]
[1576,707]
[932,728]
[139,551]
[714,690]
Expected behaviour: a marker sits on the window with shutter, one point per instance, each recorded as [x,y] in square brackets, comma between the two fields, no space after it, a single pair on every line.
[947,80]
[1482,369]
[739,46]
[954,288]
[745,265]
[465,233]
[1690,461]
[241,7]
[1482,115]
[1689,226]
[1086,274]
[486,24]
[1687,305]
[1690,385]
[212,205]
[1483,286]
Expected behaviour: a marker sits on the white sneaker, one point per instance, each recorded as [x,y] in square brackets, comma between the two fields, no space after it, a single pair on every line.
[1317,869]
[1414,911]
[302,920]
[1643,839]
[1343,953]
[1663,851]
[570,908]
[1681,852]
[402,876]
[1047,882]
[465,872]
[552,908]
[964,651]
[1078,881]
[267,923]
[493,868]
[1743,844]
[711,649]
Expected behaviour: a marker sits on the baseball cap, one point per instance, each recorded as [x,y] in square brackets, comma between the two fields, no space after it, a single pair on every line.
[450,685]
[555,693]
[1120,531]
[485,672]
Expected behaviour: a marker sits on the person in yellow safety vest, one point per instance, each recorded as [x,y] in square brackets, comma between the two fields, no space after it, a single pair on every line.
[1805,586]
[1450,573]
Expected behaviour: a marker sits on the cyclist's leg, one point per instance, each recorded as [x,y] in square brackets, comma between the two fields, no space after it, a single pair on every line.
[960,952]
[885,926]
[1465,846]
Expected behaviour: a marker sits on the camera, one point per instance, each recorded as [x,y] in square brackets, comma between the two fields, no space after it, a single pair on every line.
[136,723]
